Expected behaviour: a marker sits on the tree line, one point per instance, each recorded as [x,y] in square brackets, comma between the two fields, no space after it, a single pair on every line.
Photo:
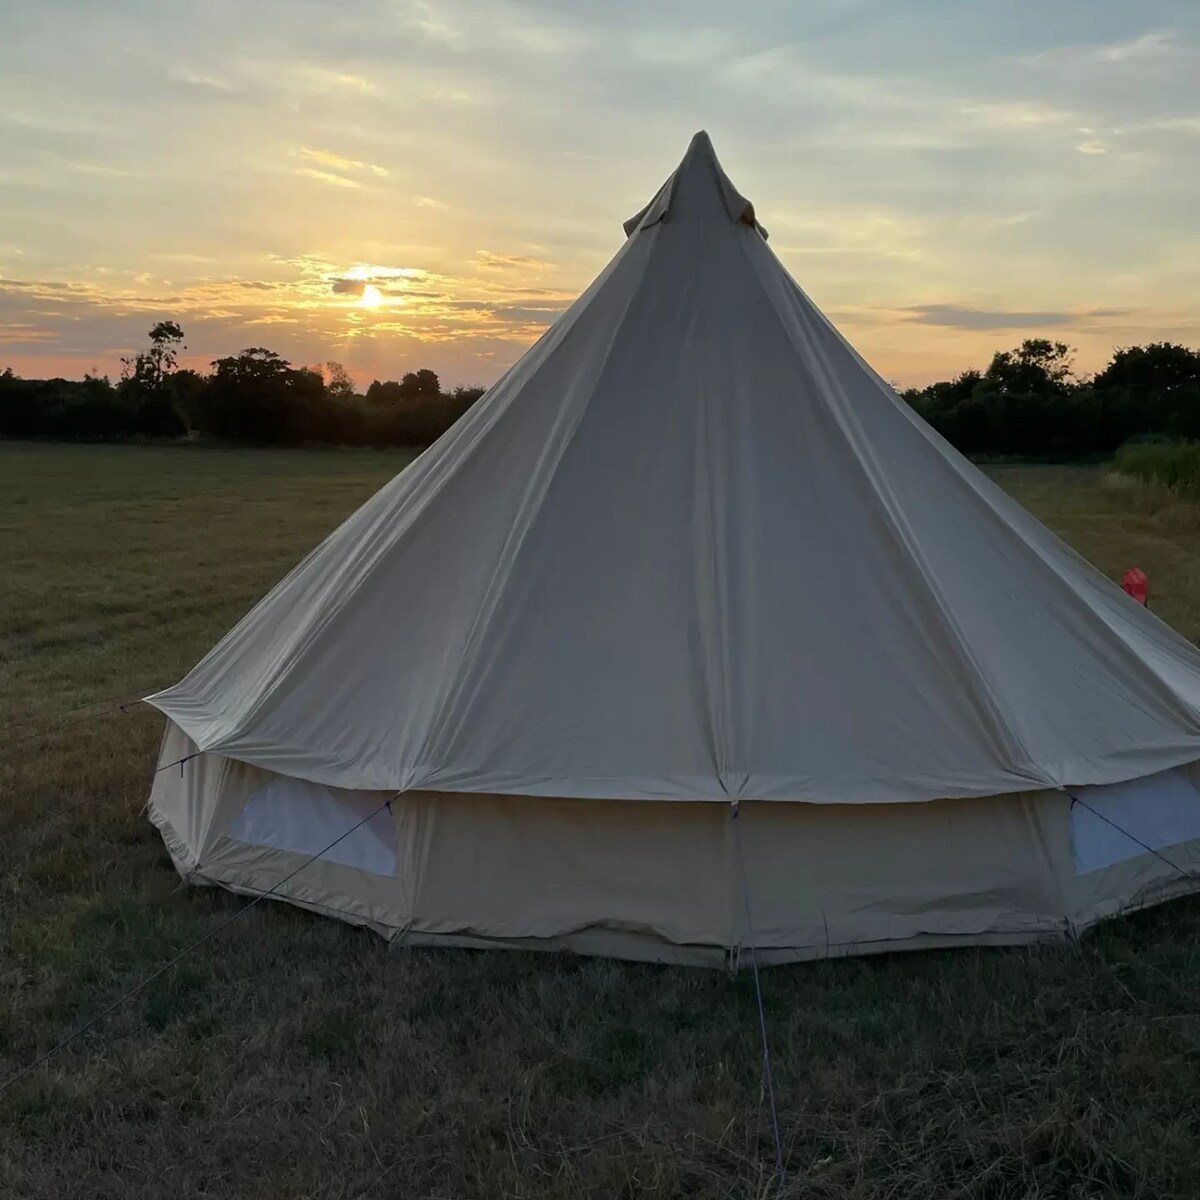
[256,397]
[1028,403]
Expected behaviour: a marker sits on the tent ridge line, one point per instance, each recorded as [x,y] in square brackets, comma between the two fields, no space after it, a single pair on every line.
[497,585]
[842,418]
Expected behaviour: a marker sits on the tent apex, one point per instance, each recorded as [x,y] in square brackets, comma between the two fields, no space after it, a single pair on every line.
[702,169]
[700,147]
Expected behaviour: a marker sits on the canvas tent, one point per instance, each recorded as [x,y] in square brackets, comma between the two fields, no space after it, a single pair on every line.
[691,556]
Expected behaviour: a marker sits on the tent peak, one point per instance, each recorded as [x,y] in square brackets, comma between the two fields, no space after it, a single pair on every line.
[698,167]
[701,148]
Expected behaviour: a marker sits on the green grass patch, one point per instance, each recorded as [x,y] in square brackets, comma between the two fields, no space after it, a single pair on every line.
[1174,465]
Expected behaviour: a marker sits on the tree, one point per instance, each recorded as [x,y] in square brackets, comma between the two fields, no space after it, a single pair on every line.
[338,384]
[189,390]
[146,382]
[950,407]
[413,410]
[1153,388]
[416,387]
[939,398]
[1037,366]
[419,383]
[258,396]
[1160,367]
[247,395]
[20,410]
[152,368]
[1027,392]
[166,340]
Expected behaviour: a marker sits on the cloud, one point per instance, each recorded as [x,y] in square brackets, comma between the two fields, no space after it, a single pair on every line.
[328,177]
[421,16]
[338,163]
[375,273]
[1175,124]
[1016,114]
[506,262]
[201,79]
[979,319]
[73,126]
[1149,45]
[987,222]
[316,78]
[44,287]
[674,47]
[183,258]
[326,159]
[870,231]
[22,333]
[1148,49]
[952,316]
[892,110]
[392,281]
[494,28]
[543,313]
[1092,147]
[102,169]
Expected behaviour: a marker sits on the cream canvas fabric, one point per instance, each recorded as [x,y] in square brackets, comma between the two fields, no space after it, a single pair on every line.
[690,549]
[673,881]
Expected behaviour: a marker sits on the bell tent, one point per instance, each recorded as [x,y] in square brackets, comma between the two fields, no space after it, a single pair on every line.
[691,559]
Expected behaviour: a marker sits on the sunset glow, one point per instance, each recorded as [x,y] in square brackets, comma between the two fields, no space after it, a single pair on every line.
[941,185]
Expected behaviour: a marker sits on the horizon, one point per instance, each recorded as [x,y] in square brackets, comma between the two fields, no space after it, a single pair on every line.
[388,185]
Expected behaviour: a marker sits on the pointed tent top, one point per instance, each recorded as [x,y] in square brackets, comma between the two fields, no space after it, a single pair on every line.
[488,624]
[698,164]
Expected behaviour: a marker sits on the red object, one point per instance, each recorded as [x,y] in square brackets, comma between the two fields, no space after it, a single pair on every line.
[1136,584]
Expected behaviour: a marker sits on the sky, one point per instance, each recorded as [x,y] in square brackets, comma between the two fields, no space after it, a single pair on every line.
[397,184]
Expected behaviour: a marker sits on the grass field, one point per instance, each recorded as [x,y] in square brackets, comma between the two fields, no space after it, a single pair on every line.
[291,1057]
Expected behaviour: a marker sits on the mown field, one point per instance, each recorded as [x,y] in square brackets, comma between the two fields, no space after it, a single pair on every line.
[291,1057]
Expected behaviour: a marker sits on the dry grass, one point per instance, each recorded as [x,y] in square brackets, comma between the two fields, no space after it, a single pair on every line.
[291,1057]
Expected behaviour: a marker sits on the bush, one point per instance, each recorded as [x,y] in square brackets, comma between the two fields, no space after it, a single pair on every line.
[1175,465]
[72,410]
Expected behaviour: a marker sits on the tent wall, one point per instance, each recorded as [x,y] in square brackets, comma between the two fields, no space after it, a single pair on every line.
[661,881]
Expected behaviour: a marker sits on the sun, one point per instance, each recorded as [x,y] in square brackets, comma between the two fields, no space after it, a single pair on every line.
[371,296]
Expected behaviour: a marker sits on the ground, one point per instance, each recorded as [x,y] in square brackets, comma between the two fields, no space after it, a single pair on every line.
[289,1056]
